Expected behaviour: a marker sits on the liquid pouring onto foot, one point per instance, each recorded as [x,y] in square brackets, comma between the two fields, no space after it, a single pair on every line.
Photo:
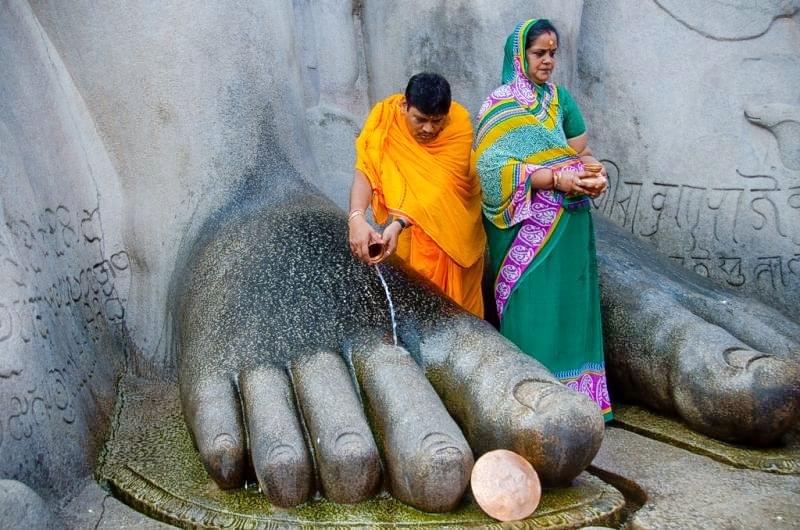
[391,305]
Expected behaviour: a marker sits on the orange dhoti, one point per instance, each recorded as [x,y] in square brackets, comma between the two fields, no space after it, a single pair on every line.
[460,284]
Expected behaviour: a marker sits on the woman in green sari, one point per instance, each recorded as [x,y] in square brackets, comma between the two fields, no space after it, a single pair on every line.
[538,173]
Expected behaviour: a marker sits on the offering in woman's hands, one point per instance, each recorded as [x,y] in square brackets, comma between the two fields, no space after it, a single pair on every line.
[593,168]
[593,182]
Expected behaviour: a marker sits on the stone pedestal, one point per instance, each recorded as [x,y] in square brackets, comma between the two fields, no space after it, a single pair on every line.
[150,463]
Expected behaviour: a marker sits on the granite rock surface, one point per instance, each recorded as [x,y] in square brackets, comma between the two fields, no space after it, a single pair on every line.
[123,127]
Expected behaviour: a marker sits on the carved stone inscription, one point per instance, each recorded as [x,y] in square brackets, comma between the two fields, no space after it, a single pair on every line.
[745,236]
[62,305]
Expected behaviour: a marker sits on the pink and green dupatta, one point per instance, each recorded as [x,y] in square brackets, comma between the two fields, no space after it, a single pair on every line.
[518,133]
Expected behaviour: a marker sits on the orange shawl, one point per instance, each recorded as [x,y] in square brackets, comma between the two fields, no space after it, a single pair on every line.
[428,183]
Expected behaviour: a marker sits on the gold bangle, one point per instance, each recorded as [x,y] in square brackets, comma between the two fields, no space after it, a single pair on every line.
[354,214]
[556,179]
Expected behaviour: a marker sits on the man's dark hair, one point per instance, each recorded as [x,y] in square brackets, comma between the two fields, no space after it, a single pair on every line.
[539,27]
[429,93]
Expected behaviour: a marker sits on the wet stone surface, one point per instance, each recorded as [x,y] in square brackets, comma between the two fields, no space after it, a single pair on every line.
[281,331]
[151,465]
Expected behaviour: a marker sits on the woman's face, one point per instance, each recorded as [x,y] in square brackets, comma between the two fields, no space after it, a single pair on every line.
[541,56]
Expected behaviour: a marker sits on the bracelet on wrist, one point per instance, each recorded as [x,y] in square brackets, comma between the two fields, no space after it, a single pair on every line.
[556,179]
[354,214]
[402,222]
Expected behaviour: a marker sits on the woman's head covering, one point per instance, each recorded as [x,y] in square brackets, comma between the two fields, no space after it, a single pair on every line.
[519,130]
[536,98]
[514,62]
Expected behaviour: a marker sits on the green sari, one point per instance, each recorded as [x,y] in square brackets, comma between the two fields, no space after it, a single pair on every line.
[541,243]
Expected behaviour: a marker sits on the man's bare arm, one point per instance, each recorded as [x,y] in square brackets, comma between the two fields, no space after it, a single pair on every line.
[361,234]
[360,192]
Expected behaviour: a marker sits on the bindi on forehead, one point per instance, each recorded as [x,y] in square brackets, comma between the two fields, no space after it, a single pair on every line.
[546,41]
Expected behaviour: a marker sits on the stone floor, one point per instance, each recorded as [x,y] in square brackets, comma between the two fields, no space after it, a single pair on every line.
[685,490]
[95,508]
[667,487]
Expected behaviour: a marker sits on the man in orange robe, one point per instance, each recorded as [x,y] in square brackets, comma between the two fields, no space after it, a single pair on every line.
[413,163]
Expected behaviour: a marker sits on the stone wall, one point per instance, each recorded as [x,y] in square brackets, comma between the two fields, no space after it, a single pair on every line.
[65,273]
[123,126]
[697,107]
[178,95]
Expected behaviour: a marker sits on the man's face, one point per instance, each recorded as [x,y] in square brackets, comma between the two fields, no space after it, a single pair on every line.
[424,127]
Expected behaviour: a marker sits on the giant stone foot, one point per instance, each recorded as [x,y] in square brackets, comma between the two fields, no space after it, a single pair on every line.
[728,365]
[288,370]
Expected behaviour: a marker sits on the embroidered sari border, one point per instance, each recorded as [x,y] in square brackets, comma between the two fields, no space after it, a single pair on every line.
[591,381]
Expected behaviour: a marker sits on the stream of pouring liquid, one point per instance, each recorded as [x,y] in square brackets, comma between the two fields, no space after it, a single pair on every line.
[391,305]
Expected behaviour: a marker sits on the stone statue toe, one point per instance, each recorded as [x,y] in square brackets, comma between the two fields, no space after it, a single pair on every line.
[348,461]
[428,461]
[280,457]
[504,399]
[728,365]
[213,411]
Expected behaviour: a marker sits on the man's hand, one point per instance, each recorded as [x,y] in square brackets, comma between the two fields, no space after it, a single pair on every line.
[390,235]
[362,235]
